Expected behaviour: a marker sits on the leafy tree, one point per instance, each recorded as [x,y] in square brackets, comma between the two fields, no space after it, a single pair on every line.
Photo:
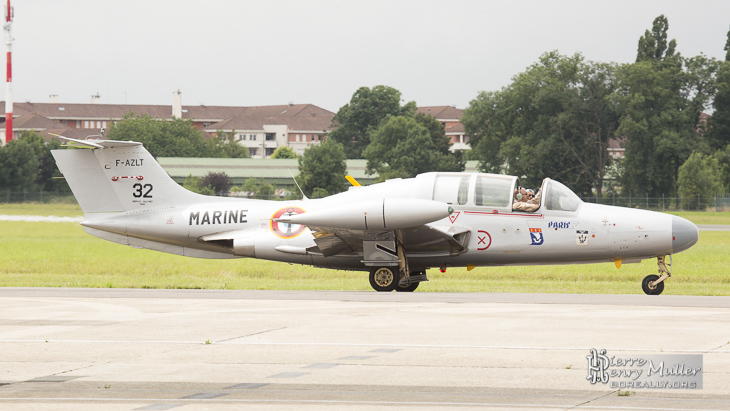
[196,185]
[469,155]
[436,130]
[20,164]
[699,181]
[365,112]
[323,167]
[700,84]
[404,147]
[487,120]
[319,193]
[261,190]
[219,182]
[26,163]
[719,124]
[265,191]
[250,185]
[162,138]
[656,127]
[588,125]
[284,152]
[49,176]
[660,102]
[653,44]
[554,120]
[227,144]
[448,161]
[723,160]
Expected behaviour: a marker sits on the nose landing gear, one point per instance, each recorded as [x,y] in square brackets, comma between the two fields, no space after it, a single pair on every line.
[654,284]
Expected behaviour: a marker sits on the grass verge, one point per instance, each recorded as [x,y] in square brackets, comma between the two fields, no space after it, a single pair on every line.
[63,255]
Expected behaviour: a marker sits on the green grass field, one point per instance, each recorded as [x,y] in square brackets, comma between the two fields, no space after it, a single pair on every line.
[63,255]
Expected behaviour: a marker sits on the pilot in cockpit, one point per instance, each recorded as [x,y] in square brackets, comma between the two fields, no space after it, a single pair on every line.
[526,200]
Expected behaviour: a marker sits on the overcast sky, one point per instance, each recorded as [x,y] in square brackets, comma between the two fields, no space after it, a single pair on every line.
[267,52]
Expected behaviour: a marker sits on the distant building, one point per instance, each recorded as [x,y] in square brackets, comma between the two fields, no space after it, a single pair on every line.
[262,129]
[616,148]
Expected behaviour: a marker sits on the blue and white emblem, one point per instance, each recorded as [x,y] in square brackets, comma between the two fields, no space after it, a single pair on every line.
[536,236]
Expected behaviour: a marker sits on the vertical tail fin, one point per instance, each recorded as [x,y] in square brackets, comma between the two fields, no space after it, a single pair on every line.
[118,176]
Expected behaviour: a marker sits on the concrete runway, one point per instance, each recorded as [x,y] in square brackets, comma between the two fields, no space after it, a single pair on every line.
[80,349]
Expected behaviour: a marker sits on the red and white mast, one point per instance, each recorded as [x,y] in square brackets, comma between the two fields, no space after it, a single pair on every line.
[9,82]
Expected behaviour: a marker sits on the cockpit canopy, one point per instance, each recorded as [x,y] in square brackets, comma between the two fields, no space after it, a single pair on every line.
[496,192]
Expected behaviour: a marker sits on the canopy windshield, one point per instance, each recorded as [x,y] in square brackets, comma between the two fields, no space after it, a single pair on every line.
[559,197]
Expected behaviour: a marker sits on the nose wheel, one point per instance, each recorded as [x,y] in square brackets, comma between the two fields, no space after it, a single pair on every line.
[654,284]
[650,286]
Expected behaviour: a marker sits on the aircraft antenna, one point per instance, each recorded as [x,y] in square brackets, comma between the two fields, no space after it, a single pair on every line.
[304,197]
[9,73]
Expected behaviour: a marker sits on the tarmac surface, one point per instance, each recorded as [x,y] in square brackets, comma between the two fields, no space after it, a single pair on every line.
[79,349]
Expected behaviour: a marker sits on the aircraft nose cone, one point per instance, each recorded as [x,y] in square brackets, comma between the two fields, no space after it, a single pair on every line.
[684,234]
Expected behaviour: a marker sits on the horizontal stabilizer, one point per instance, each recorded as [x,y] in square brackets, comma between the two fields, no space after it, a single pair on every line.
[99,143]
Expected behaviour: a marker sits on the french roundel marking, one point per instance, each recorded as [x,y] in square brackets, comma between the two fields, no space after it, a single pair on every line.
[286,230]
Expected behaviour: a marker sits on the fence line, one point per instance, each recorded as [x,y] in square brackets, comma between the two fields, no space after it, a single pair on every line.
[700,203]
[36,196]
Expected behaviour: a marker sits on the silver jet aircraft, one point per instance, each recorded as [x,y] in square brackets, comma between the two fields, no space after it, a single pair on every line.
[395,230]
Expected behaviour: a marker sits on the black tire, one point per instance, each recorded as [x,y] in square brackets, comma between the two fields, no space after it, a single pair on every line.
[384,278]
[412,287]
[656,290]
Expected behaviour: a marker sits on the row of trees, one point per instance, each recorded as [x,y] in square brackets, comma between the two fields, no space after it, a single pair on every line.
[557,118]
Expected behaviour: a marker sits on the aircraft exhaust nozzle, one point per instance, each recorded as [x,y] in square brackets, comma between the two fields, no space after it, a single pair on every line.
[382,214]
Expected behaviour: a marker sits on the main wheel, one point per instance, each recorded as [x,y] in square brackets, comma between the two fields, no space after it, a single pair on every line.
[410,288]
[384,278]
[656,290]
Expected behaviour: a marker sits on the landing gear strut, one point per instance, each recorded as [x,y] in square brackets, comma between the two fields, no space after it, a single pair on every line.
[654,284]
[400,277]
[415,278]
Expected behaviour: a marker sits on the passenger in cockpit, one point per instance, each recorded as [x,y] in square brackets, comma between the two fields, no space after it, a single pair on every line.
[530,194]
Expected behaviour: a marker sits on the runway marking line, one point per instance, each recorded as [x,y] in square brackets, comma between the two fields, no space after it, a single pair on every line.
[41,219]
[419,403]
[324,344]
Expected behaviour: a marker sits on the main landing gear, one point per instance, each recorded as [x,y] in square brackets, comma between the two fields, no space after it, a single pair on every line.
[384,278]
[389,279]
[654,284]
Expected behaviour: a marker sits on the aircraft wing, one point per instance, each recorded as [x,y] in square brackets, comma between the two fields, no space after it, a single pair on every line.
[427,238]
[351,228]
